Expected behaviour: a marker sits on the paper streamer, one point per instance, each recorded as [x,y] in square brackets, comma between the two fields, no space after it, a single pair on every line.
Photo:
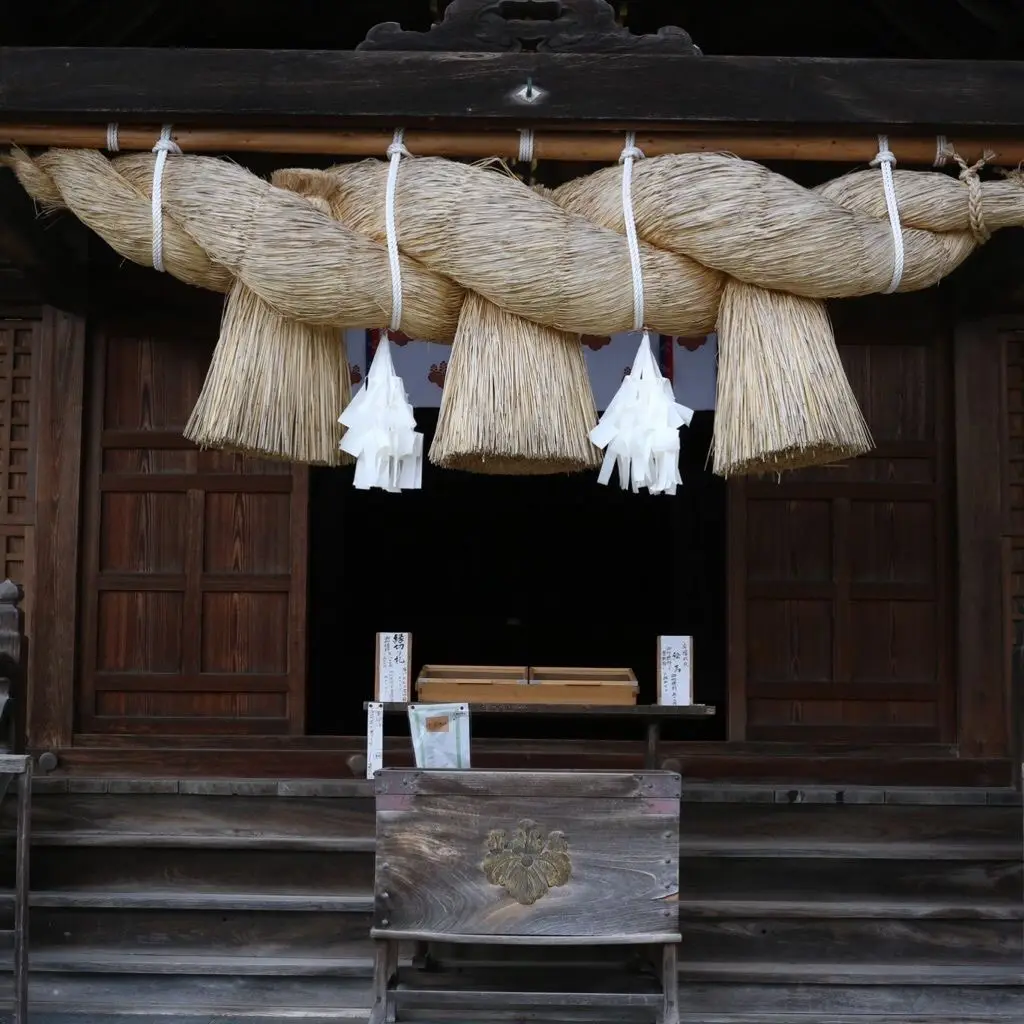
[639,430]
[382,433]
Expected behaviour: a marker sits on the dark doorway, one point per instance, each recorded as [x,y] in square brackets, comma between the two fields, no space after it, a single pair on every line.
[516,571]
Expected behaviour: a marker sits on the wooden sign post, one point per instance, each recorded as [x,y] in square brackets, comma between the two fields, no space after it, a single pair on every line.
[675,670]
[393,668]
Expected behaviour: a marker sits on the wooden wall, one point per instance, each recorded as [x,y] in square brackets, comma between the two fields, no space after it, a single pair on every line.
[194,568]
[840,602]
[865,605]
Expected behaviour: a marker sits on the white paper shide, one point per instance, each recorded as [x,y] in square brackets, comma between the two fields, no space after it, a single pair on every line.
[381,432]
[639,430]
[440,735]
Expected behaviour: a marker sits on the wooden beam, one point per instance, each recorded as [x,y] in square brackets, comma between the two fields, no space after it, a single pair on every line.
[61,377]
[983,687]
[295,87]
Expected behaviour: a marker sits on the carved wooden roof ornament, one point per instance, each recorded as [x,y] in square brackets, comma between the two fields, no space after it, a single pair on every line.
[514,26]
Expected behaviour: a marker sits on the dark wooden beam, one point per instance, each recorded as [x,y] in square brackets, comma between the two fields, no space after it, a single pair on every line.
[294,87]
[983,697]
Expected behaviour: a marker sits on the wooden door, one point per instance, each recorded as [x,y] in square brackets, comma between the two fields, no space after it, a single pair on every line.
[840,622]
[195,562]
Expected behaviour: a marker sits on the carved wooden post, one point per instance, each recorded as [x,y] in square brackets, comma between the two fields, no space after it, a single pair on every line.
[12,666]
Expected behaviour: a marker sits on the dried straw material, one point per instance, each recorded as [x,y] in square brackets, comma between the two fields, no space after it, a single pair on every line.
[257,397]
[558,260]
[275,387]
[784,400]
[517,398]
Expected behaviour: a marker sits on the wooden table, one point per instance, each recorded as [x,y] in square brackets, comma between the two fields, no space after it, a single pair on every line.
[541,859]
[652,715]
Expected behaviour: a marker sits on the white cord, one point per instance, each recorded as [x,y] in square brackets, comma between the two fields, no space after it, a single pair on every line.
[629,154]
[526,145]
[942,149]
[886,159]
[113,143]
[395,152]
[164,145]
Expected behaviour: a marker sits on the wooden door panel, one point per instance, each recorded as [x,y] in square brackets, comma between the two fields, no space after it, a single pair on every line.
[195,575]
[839,574]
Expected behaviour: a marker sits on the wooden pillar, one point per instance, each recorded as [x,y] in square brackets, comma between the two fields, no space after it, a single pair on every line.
[58,477]
[983,698]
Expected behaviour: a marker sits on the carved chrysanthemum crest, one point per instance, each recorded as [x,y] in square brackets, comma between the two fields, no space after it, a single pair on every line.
[527,864]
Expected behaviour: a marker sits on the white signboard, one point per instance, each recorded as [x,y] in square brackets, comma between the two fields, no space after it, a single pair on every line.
[393,675]
[675,670]
[374,739]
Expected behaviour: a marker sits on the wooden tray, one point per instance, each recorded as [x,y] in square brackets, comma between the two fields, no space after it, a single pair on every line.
[481,684]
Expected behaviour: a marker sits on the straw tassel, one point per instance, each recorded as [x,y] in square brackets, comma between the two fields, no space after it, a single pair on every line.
[639,430]
[382,433]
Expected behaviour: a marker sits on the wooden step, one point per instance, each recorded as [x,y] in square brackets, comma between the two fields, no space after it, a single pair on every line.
[186,962]
[779,995]
[346,824]
[178,899]
[272,933]
[208,822]
[874,879]
[804,942]
[189,870]
[839,909]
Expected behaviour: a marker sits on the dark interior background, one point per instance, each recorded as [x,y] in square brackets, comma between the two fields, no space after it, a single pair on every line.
[516,571]
[978,29]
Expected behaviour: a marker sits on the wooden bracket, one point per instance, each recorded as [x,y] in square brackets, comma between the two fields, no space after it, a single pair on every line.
[516,26]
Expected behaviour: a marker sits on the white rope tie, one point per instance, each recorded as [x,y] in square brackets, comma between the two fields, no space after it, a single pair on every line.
[113,143]
[164,145]
[629,154]
[526,145]
[395,153]
[886,160]
[943,151]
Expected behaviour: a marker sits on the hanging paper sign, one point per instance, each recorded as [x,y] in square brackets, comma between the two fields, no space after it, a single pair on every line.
[374,738]
[675,670]
[393,673]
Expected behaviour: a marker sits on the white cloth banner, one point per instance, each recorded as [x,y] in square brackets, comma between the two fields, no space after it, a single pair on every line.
[690,363]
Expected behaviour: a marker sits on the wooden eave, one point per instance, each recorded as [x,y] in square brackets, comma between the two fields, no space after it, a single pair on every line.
[345,87]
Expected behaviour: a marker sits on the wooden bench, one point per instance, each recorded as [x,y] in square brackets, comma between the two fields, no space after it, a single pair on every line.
[517,859]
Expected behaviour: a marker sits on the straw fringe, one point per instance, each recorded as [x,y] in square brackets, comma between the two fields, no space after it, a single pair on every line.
[516,399]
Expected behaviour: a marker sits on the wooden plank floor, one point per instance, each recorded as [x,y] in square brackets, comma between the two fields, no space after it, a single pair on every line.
[236,908]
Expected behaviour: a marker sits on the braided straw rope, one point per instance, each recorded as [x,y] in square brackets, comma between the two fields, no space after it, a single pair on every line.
[708,224]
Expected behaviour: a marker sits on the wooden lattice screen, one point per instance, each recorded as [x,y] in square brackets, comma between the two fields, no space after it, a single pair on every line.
[19,341]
